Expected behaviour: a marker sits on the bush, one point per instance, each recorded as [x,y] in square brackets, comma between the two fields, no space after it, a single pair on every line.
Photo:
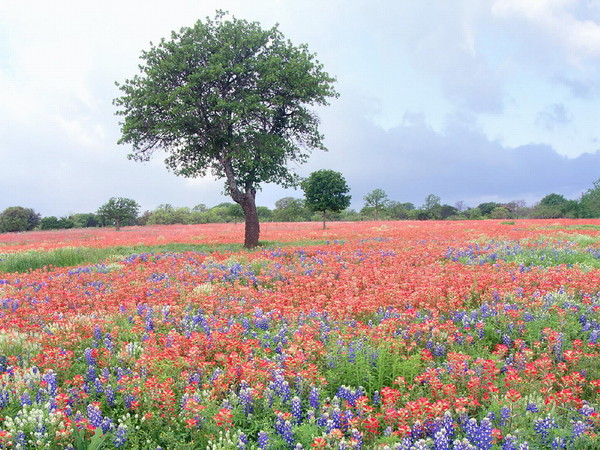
[17,218]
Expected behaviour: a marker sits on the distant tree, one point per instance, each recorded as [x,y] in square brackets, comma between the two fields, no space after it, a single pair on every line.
[17,218]
[487,207]
[199,208]
[590,202]
[144,218]
[290,209]
[49,223]
[84,220]
[326,190]
[431,201]
[377,200]
[264,213]
[229,98]
[447,211]
[236,213]
[66,223]
[397,210]
[119,210]
[550,207]
[500,212]
[431,209]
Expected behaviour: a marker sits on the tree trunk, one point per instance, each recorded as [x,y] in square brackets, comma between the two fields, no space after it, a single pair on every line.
[117,224]
[252,231]
[324,217]
[247,200]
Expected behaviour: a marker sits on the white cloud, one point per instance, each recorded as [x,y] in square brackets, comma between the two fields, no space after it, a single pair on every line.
[557,22]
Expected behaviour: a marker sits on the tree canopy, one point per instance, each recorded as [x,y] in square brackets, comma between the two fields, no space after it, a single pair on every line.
[119,210]
[376,200]
[229,98]
[326,190]
[17,218]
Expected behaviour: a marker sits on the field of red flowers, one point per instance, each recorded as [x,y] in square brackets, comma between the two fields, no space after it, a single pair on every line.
[390,335]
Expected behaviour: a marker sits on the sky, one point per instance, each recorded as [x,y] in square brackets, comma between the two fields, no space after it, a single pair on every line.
[470,100]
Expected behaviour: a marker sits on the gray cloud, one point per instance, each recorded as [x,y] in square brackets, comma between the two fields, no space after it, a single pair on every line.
[553,116]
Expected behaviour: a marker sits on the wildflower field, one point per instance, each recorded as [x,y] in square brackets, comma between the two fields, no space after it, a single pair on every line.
[385,335]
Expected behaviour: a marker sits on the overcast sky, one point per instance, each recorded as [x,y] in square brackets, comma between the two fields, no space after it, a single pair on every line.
[472,100]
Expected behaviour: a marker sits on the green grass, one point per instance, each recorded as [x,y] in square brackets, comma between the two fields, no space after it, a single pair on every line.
[76,256]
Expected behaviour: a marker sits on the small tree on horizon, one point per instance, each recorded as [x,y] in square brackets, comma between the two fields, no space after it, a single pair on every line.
[119,210]
[326,190]
[376,199]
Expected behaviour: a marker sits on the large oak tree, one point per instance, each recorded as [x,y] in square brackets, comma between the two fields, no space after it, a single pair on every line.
[229,98]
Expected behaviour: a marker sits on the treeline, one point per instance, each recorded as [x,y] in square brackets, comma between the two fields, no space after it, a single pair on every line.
[377,206]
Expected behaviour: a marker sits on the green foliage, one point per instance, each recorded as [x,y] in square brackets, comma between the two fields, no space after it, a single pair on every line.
[85,220]
[375,201]
[53,223]
[590,202]
[289,209]
[229,98]
[17,218]
[357,364]
[500,212]
[119,210]
[486,208]
[326,190]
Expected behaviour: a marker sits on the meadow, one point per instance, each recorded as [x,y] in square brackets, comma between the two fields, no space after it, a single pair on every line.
[370,335]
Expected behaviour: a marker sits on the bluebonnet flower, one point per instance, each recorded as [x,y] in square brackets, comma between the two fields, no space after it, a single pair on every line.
[504,415]
[89,357]
[543,427]
[509,442]
[25,399]
[440,440]
[463,444]
[281,387]
[358,437]
[586,410]
[579,428]
[107,425]
[532,407]
[51,380]
[284,429]
[336,416]
[376,398]
[120,436]
[4,398]
[242,441]
[109,392]
[94,415]
[297,409]
[313,397]
[263,440]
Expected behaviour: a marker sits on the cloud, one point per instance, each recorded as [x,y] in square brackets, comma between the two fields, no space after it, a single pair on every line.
[459,162]
[553,116]
[569,25]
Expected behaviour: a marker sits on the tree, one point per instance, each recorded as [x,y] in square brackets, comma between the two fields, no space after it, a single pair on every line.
[376,199]
[326,190]
[487,207]
[229,98]
[551,206]
[590,201]
[431,209]
[119,210]
[290,209]
[17,218]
